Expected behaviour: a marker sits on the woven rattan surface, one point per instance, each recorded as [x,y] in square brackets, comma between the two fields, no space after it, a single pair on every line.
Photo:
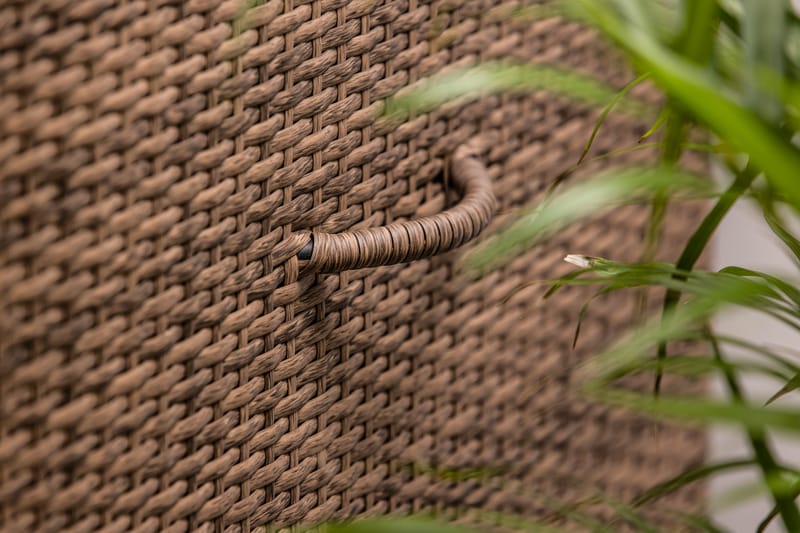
[166,362]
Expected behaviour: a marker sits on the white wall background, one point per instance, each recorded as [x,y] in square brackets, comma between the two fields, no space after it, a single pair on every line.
[745,240]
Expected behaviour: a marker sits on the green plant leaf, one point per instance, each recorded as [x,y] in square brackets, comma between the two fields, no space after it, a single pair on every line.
[577,202]
[764,524]
[791,385]
[763,38]
[768,294]
[704,95]
[606,111]
[502,77]
[702,410]
[763,351]
[628,514]
[684,322]
[698,242]
[697,522]
[689,476]
[695,365]
[775,222]
[780,286]
[396,525]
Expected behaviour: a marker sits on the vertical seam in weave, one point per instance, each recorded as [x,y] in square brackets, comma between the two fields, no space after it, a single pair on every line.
[241,297]
[321,351]
[70,432]
[294,492]
[344,278]
[266,261]
[160,326]
[436,365]
[133,397]
[5,352]
[216,291]
[506,139]
[188,327]
[130,283]
[484,126]
[414,430]
[30,270]
[367,213]
[391,322]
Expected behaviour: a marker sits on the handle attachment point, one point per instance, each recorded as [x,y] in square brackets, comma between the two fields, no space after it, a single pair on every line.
[400,242]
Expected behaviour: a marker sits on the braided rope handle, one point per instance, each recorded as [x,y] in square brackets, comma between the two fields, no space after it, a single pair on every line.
[401,242]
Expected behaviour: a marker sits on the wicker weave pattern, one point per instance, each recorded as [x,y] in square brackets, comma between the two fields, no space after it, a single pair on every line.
[166,365]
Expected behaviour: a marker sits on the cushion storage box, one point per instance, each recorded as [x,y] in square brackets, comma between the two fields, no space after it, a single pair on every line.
[229,288]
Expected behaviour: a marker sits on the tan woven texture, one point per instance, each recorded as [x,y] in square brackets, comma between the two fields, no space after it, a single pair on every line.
[168,363]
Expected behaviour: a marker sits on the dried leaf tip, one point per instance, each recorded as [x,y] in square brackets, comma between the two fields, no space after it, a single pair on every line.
[581,261]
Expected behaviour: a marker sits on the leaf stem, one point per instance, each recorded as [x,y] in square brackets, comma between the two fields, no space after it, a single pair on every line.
[697,243]
[770,469]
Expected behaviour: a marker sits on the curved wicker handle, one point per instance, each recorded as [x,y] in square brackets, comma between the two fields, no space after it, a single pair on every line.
[400,242]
